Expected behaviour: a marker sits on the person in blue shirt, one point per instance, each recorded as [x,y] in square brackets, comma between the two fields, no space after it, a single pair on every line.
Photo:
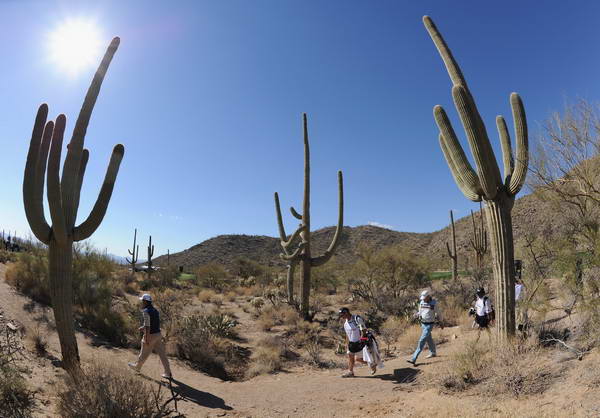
[152,338]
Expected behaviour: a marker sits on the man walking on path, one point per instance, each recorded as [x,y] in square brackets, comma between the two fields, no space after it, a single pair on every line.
[152,338]
[356,331]
[484,314]
[428,314]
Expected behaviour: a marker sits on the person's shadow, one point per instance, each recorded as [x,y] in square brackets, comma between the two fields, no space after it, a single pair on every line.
[189,394]
[399,376]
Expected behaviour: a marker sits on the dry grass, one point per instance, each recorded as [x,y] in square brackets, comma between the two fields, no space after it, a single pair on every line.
[391,330]
[407,342]
[37,341]
[267,357]
[206,295]
[513,370]
[106,392]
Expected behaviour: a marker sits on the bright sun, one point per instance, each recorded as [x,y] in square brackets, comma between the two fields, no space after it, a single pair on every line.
[75,45]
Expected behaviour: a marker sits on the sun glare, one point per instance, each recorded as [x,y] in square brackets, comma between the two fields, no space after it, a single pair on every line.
[75,45]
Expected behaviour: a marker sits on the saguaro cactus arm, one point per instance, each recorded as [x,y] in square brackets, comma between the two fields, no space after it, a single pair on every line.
[89,226]
[284,241]
[71,171]
[33,180]
[522,142]
[488,172]
[59,227]
[318,261]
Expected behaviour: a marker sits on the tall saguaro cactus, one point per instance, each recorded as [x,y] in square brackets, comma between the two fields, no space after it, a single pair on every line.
[479,239]
[301,238]
[452,251]
[134,253]
[63,199]
[486,183]
[150,255]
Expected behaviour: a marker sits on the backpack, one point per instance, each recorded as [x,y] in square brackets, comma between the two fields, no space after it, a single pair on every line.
[492,314]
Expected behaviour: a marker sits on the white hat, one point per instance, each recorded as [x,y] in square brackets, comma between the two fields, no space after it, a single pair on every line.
[424,294]
[147,297]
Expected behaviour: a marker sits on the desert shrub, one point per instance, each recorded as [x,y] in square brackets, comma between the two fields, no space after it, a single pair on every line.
[391,330]
[206,295]
[267,357]
[453,312]
[313,351]
[105,392]
[16,400]
[203,346]
[7,256]
[517,370]
[301,332]
[387,279]
[213,276]
[37,340]
[29,275]
[166,277]
[170,303]
[466,368]
[267,319]
[230,296]
[257,303]
[244,267]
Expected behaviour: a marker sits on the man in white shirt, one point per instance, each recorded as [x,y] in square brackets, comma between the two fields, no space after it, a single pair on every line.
[429,313]
[356,331]
[483,312]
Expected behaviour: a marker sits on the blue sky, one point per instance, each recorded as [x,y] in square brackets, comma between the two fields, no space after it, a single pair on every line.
[207,98]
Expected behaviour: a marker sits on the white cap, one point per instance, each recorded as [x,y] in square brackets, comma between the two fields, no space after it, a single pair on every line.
[147,297]
[424,294]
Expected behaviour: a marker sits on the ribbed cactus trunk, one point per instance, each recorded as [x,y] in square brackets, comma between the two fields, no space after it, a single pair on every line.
[302,254]
[60,273]
[499,223]
[452,252]
[305,234]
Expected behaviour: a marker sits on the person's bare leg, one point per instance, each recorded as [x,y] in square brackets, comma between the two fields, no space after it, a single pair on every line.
[351,363]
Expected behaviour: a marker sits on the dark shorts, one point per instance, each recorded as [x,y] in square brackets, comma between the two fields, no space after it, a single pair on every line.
[482,321]
[356,346]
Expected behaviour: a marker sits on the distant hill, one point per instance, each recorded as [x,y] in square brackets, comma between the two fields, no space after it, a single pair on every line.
[528,212]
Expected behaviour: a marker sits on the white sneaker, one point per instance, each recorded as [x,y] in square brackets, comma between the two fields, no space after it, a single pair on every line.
[431,355]
[133,367]
[167,376]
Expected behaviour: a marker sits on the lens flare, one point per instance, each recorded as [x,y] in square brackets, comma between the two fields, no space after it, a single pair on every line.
[75,45]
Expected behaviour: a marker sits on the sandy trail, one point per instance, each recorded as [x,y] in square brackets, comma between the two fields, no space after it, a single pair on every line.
[394,391]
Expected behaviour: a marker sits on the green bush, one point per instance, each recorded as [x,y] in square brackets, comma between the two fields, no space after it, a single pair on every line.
[200,341]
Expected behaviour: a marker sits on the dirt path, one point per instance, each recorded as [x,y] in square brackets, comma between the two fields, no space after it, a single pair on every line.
[395,391]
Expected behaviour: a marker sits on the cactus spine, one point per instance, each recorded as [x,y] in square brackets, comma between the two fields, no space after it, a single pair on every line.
[302,236]
[150,255]
[134,253]
[487,183]
[452,251]
[479,239]
[63,199]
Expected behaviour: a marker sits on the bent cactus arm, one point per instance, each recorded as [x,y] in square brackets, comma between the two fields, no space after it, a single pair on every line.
[319,261]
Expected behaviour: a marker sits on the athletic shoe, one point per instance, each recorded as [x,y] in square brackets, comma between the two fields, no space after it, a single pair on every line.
[373,369]
[348,374]
[133,367]
[431,355]
[411,361]
[166,376]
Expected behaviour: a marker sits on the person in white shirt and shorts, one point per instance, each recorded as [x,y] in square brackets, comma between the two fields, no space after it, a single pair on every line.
[356,330]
